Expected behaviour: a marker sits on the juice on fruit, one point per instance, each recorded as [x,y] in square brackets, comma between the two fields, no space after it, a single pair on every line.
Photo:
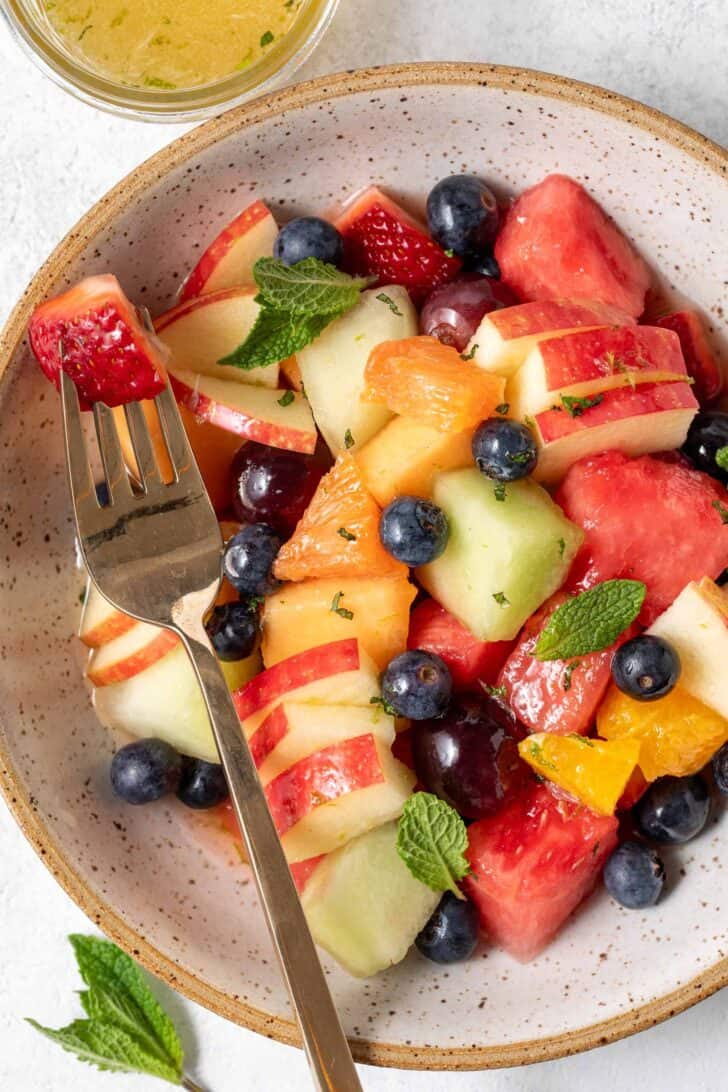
[170,44]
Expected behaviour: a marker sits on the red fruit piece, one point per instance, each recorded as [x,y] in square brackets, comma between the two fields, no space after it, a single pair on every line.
[557,242]
[700,360]
[383,241]
[650,519]
[533,862]
[469,660]
[301,871]
[553,695]
[94,334]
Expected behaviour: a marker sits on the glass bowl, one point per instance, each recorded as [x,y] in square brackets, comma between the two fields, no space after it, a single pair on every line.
[30,27]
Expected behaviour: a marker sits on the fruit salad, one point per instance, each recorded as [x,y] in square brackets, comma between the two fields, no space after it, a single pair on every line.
[471,480]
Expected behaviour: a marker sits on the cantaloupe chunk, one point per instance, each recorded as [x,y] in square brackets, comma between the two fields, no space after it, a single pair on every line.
[405,456]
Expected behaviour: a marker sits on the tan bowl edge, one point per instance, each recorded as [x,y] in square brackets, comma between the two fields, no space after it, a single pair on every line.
[99,216]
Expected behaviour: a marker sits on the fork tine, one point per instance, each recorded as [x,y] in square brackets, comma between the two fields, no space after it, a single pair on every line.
[178,446]
[117,479]
[83,489]
[141,441]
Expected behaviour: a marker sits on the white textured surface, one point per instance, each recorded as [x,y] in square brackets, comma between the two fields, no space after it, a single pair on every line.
[57,156]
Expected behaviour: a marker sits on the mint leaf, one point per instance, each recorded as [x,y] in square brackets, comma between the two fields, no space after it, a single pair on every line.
[721,458]
[721,510]
[336,608]
[286,398]
[307,288]
[389,709]
[575,407]
[266,39]
[471,353]
[499,491]
[384,298]
[592,621]
[276,335]
[503,408]
[127,1031]
[349,440]
[432,840]
[346,534]
[495,691]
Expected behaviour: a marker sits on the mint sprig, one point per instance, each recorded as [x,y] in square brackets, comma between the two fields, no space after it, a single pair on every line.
[432,840]
[721,458]
[296,302]
[126,1030]
[592,621]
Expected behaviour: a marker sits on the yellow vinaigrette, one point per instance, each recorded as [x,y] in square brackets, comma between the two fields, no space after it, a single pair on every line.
[170,44]
[593,771]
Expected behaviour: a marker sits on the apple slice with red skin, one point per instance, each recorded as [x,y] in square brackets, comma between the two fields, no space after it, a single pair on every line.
[94,334]
[133,651]
[201,331]
[652,417]
[100,621]
[230,257]
[589,362]
[504,338]
[701,361]
[280,419]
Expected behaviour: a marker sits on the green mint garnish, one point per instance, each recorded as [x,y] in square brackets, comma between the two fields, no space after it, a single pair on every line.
[256,601]
[389,709]
[341,611]
[297,303]
[520,457]
[85,31]
[722,512]
[499,491]
[432,840]
[286,398]
[126,1030]
[469,355]
[495,691]
[266,39]
[155,81]
[536,752]
[568,672]
[390,303]
[346,534]
[575,407]
[529,423]
[592,621]
[120,17]
[721,458]
[562,546]
[584,740]
[503,408]
[82,596]
[501,599]
[349,440]
[449,253]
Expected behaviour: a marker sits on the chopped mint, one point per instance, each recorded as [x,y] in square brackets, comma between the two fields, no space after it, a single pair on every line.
[346,534]
[89,26]
[562,546]
[501,599]
[390,303]
[449,253]
[520,457]
[246,61]
[432,840]
[535,750]
[592,621]
[163,85]
[503,408]
[721,458]
[499,491]
[529,423]
[722,512]
[568,672]
[267,38]
[470,354]
[335,607]
[286,398]
[389,709]
[349,440]
[495,691]
[575,407]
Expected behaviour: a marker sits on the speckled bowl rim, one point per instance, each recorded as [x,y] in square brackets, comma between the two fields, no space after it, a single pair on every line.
[102,215]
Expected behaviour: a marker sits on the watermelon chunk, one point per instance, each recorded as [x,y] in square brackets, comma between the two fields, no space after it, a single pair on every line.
[470,660]
[384,241]
[700,360]
[533,862]
[551,695]
[650,519]
[557,242]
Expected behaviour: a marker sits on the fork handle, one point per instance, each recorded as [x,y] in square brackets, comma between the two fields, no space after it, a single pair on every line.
[327,1049]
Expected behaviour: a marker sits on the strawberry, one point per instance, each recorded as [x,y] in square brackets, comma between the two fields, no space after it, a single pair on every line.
[469,660]
[94,334]
[382,240]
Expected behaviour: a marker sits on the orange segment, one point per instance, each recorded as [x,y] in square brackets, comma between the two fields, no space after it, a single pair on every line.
[338,534]
[594,772]
[421,378]
[678,734]
[404,457]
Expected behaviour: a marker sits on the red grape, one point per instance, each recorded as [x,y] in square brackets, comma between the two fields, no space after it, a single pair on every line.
[470,756]
[274,486]
[452,312]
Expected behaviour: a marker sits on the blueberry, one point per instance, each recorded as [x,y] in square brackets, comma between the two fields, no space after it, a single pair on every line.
[249,557]
[308,237]
[485,264]
[634,875]
[417,685]
[145,770]
[720,769]
[707,434]
[646,667]
[451,933]
[203,784]
[463,215]
[504,450]
[674,809]
[413,530]
[233,630]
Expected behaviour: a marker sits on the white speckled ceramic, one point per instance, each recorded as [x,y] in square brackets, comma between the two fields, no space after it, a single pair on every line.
[141,874]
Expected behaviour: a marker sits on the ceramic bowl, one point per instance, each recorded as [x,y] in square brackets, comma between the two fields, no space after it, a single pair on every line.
[143,875]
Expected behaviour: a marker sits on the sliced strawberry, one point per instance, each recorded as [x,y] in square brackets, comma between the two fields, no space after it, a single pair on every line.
[382,240]
[533,862]
[94,334]
[470,660]
[700,360]
[554,695]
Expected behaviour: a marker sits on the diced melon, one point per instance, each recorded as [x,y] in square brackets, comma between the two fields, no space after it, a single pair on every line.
[332,366]
[504,557]
[300,616]
[405,456]
[364,906]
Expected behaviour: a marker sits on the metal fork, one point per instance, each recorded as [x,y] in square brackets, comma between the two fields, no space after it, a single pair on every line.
[156,553]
